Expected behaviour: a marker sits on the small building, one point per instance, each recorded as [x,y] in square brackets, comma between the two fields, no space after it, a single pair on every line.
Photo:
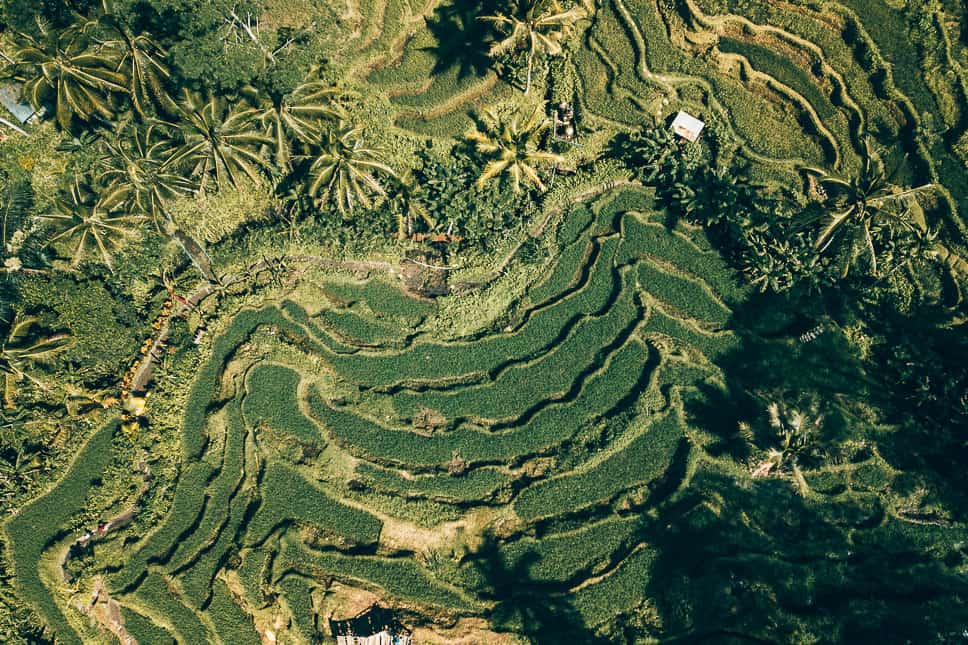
[11,98]
[687,126]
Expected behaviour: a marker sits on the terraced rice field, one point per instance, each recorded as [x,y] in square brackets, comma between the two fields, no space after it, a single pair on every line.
[349,451]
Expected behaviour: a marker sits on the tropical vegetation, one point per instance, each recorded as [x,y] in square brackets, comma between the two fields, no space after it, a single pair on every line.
[308,307]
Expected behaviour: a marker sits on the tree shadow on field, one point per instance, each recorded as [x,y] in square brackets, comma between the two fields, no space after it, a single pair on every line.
[463,39]
[774,358]
[760,564]
[536,610]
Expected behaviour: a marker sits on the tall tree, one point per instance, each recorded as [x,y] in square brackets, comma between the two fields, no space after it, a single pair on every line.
[859,206]
[512,146]
[299,117]
[142,63]
[19,350]
[87,222]
[539,25]
[61,68]
[137,174]
[220,141]
[345,171]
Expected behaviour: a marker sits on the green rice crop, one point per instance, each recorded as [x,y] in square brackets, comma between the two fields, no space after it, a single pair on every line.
[252,573]
[640,462]
[522,386]
[430,361]
[297,594]
[270,398]
[687,296]
[220,490]
[561,557]
[38,524]
[233,626]
[618,592]
[155,594]
[360,330]
[144,630]
[186,507]
[398,578]
[287,496]
[620,378]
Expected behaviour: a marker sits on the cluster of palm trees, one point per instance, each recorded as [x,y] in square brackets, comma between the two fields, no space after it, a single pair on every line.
[101,75]
[164,148]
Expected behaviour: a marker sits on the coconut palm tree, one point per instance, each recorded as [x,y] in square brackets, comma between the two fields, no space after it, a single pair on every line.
[137,175]
[345,171]
[512,146]
[19,350]
[145,73]
[220,141]
[299,117]
[539,25]
[794,438]
[61,68]
[87,221]
[858,206]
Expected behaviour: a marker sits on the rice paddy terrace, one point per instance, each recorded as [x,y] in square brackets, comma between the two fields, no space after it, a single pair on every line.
[533,478]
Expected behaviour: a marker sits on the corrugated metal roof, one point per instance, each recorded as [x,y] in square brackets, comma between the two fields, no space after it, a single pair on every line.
[687,126]
[10,98]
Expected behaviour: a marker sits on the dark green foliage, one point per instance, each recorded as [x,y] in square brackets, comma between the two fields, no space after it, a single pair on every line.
[104,325]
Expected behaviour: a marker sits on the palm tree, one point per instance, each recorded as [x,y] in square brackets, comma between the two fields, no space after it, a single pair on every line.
[88,220]
[795,439]
[540,25]
[345,170]
[512,146]
[137,174]
[141,62]
[20,349]
[59,67]
[860,205]
[299,117]
[219,140]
